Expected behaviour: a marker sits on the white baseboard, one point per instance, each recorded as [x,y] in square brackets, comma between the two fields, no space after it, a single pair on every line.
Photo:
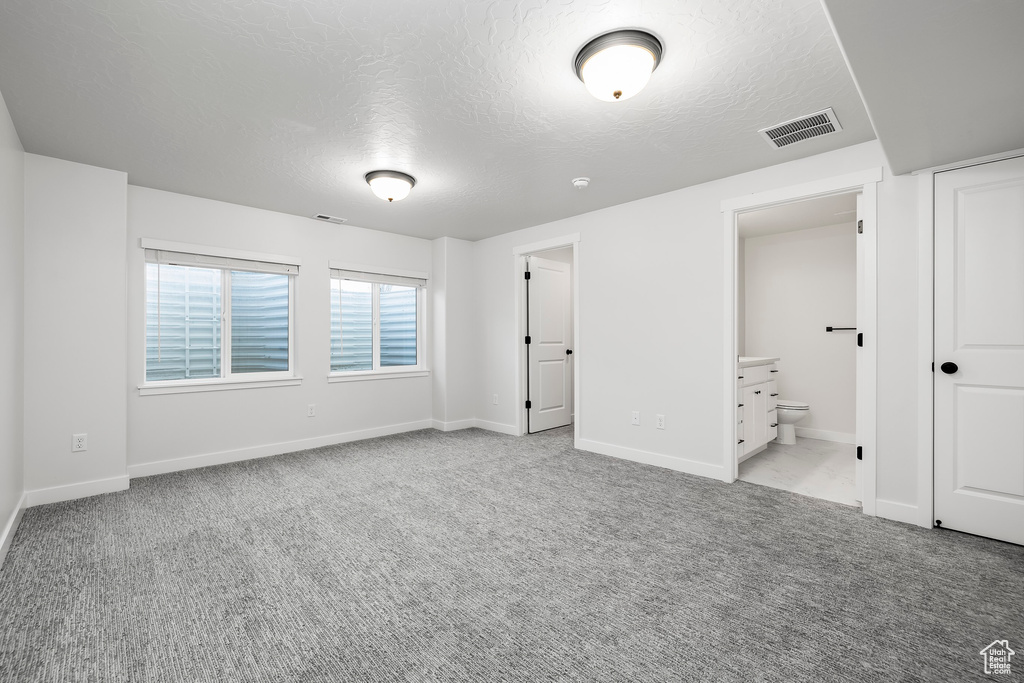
[825,435]
[899,512]
[454,426]
[7,535]
[511,430]
[701,469]
[84,489]
[236,455]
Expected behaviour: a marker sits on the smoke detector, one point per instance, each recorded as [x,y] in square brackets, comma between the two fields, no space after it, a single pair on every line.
[580,183]
[814,125]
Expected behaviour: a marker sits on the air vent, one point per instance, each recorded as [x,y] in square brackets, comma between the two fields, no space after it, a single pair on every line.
[330,219]
[804,128]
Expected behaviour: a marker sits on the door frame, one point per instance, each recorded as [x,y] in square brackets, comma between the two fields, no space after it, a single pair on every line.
[864,182]
[926,329]
[519,254]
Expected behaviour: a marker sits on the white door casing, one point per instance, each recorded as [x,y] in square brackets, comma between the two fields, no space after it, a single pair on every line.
[979,328]
[549,326]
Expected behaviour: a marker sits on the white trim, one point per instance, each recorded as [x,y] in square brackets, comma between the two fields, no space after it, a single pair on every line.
[185,386]
[867,362]
[861,181]
[546,245]
[976,161]
[364,375]
[796,193]
[826,435]
[11,528]
[899,512]
[519,255]
[701,469]
[925,350]
[511,430]
[442,426]
[84,489]
[223,252]
[239,454]
[377,270]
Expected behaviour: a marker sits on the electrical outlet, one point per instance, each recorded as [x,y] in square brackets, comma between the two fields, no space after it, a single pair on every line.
[660,421]
[494,400]
[311,410]
[636,418]
[79,442]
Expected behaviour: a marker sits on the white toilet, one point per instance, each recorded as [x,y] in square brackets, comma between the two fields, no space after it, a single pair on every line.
[789,413]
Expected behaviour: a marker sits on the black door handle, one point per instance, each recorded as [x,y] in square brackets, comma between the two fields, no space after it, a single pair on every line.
[949,368]
[568,352]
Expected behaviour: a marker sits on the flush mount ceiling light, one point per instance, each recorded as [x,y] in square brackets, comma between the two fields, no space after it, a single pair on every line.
[390,185]
[617,65]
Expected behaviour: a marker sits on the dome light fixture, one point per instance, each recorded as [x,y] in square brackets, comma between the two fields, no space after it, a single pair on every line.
[617,65]
[390,185]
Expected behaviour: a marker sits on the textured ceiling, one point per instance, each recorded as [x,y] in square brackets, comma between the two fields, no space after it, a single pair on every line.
[286,104]
[941,77]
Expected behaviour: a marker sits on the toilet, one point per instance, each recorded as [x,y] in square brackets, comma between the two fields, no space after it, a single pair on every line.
[789,413]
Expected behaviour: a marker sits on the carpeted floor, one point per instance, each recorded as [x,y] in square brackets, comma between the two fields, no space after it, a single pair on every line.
[475,556]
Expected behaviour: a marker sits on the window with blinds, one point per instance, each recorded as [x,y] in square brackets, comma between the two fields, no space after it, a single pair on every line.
[211,316]
[376,321]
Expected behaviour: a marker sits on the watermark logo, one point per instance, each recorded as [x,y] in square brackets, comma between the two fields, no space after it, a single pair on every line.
[997,657]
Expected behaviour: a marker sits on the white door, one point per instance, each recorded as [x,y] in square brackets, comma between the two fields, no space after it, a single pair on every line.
[549,327]
[863,401]
[979,350]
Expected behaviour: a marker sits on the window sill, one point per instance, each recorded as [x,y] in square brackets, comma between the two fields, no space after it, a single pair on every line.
[193,386]
[363,375]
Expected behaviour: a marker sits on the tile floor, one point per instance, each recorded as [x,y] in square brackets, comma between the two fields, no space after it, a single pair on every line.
[811,467]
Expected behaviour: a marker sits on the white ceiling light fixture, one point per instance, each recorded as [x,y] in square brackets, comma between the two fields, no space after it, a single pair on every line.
[390,185]
[617,65]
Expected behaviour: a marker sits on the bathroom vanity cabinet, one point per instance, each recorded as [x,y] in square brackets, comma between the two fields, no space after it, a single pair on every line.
[757,393]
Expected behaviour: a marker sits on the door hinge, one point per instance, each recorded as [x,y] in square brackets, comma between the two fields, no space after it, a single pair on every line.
[933,367]
[528,405]
[527,275]
[527,339]
[860,339]
[860,452]
[860,227]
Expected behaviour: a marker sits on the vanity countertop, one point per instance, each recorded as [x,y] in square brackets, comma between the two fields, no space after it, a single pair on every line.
[750,361]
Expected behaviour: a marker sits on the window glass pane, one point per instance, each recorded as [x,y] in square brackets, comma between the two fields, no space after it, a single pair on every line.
[259,322]
[397,325]
[183,331]
[351,325]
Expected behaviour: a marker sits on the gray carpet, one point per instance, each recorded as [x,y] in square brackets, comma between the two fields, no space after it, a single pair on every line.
[476,556]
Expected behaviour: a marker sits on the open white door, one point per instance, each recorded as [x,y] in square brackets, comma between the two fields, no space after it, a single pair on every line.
[549,350]
[979,350]
[863,401]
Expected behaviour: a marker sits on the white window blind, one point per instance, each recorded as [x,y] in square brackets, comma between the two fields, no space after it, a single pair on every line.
[179,258]
[378,278]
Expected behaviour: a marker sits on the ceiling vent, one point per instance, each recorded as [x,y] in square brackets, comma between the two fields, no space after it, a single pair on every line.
[330,219]
[813,125]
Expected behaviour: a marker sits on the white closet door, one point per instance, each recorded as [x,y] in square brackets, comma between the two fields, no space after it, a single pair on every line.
[979,350]
[550,329]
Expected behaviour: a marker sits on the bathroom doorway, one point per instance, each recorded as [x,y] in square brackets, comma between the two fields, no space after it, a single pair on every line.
[797,302]
[802,296]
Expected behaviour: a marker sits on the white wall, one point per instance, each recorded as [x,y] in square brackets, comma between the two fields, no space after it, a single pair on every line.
[74,328]
[454,352]
[12,350]
[797,283]
[651,276]
[174,431]
[741,298]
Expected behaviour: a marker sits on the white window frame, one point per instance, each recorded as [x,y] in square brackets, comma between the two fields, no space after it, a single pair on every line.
[385,276]
[225,260]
